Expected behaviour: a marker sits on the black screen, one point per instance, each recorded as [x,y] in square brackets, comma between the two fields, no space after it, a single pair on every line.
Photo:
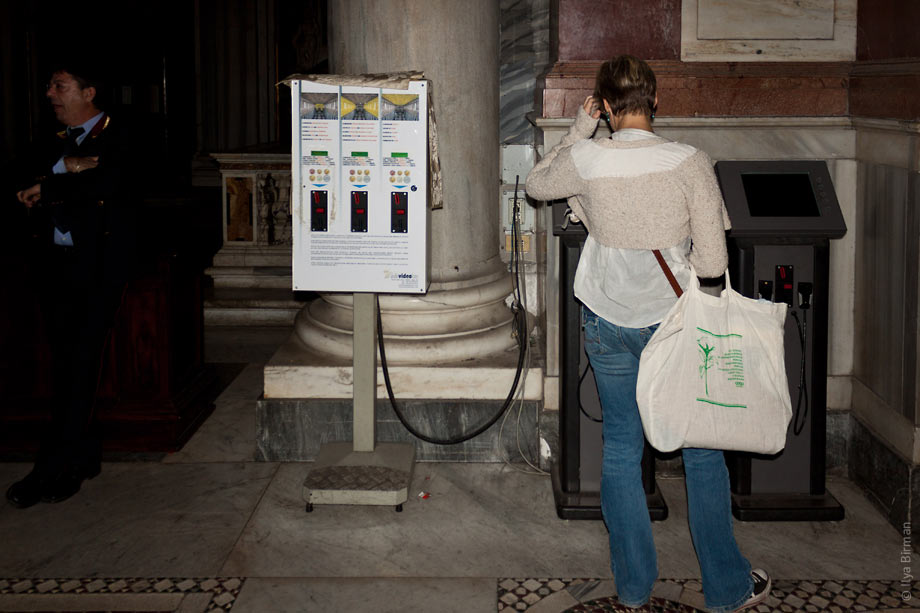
[780,195]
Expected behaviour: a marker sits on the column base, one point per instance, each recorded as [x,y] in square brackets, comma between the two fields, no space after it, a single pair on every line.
[296,430]
[297,372]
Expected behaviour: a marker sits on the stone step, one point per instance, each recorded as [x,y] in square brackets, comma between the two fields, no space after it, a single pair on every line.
[235,255]
[265,306]
[278,277]
[249,317]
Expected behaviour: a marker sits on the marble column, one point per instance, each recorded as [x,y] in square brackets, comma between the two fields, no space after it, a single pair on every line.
[463,316]
[452,356]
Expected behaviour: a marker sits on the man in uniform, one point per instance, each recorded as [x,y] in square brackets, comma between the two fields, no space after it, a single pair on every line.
[82,237]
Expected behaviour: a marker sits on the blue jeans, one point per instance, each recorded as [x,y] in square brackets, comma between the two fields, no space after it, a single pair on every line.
[614,355]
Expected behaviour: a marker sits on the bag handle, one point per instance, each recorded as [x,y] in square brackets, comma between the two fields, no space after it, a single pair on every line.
[667,272]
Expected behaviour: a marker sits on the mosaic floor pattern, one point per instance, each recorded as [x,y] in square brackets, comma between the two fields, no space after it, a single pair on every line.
[214,594]
[685,596]
[534,595]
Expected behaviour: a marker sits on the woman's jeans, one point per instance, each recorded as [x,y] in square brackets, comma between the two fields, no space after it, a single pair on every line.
[614,355]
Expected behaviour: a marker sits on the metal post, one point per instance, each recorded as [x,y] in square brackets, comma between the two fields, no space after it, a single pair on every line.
[364,361]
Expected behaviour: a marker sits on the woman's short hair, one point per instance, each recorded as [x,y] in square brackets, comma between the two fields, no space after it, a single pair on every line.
[627,84]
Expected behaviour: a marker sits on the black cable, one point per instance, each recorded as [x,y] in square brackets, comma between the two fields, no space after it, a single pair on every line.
[581,406]
[515,238]
[802,327]
[519,319]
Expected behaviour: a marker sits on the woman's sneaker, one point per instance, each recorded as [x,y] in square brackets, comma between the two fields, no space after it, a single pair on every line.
[762,584]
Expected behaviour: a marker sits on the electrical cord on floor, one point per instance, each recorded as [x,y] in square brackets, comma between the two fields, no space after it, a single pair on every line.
[802,327]
[519,322]
[520,297]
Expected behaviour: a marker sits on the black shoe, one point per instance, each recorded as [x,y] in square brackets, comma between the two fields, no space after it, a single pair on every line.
[762,584]
[27,492]
[67,483]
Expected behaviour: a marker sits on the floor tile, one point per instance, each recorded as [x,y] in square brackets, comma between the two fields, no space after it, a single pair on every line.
[229,434]
[229,533]
[136,603]
[137,519]
[253,344]
[481,520]
[359,595]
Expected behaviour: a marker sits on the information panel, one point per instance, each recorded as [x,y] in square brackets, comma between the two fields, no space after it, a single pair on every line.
[360,188]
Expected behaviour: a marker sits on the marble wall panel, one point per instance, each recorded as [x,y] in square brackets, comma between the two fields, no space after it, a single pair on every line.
[780,89]
[839,428]
[888,29]
[765,19]
[883,473]
[274,208]
[767,31]
[844,172]
[886,91]
[914,516]
[294,429]
[524,56]
[775,139]
[590,30]
[881,349]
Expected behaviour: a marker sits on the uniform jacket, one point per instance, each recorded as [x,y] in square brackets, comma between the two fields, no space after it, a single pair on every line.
[95,206]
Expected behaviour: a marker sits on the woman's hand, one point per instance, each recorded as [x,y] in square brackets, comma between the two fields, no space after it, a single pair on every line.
[79,164]
[592,108]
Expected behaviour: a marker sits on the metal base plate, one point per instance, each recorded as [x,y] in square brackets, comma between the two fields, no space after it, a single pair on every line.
[587,505]
[787,507]
[341,475]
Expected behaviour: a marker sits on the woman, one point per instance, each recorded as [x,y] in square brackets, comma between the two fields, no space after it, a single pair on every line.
[636,192]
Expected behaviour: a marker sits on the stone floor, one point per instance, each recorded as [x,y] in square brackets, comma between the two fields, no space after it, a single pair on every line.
[207,528]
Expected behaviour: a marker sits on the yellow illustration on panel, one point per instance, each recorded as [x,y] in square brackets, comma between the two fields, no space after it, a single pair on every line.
[400,107]
[359,107]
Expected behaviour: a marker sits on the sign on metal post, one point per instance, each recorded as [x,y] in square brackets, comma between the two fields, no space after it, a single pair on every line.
[359,181]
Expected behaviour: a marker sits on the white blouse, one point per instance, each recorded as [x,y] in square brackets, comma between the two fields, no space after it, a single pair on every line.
[627,286]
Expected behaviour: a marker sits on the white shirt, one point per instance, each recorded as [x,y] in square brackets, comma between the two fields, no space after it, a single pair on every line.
[64,238]
[627,286]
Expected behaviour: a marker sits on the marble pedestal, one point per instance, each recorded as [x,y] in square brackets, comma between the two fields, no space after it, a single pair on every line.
[252,271]
[307,401]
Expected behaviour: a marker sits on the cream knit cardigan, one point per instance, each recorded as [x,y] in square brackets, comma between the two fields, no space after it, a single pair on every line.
[656,210]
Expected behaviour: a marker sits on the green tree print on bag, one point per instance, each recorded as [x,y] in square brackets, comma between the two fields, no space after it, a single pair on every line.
[730,362]
[705,351]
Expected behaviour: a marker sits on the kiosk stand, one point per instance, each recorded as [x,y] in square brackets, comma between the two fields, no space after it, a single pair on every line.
[783,214]
[359,202]
[357,472]
[577,474]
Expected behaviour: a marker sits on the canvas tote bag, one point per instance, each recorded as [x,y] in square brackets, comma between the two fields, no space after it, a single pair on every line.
[713,374]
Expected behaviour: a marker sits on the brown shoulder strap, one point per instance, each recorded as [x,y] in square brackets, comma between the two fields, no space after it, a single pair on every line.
[667,272]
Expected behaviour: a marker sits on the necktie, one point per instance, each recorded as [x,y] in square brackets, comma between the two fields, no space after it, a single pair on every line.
[72,135]
[70,147]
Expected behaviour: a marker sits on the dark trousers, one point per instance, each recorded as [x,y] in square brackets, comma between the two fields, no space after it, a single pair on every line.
[78,314]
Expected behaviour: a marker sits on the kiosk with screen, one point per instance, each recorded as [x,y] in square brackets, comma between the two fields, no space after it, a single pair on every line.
[783,215]
[577,473]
